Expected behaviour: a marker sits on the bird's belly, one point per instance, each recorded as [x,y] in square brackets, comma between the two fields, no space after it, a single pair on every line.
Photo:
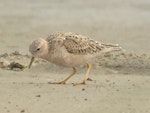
[70,60]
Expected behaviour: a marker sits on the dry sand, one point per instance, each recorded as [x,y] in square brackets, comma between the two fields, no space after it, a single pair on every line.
[121,81]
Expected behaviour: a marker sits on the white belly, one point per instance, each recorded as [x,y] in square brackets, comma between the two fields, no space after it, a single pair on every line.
[63,58]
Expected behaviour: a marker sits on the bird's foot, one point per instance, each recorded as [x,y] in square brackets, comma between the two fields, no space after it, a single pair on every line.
[79,83]
[61,82]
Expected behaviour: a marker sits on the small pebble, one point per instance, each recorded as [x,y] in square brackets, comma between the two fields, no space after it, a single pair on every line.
[89,79]
[38,95]
[107,80]
[83,89]
[22,111]
[85,99]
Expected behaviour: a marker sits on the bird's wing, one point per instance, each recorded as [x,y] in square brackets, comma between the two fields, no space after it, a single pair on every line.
[78,44]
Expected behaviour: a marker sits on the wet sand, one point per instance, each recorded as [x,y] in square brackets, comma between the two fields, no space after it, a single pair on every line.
[121,80]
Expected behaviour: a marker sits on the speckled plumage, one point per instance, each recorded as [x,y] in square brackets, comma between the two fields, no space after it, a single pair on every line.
[69,50]
[77,44]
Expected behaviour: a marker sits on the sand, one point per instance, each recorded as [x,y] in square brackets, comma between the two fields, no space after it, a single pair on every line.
[121,80]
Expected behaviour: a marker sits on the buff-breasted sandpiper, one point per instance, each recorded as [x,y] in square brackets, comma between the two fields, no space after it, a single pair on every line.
[69,50]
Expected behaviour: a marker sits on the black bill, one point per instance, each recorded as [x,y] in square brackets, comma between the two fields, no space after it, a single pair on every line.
[32,59]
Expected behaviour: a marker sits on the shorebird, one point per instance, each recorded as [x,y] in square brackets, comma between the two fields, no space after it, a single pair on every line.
[69,50]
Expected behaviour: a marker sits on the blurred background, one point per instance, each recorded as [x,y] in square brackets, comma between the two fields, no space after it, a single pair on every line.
[126,22]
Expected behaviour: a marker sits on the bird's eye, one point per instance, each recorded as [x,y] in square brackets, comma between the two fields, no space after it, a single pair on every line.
[38,49]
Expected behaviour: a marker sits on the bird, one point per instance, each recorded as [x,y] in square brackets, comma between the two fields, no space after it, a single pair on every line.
[69,50]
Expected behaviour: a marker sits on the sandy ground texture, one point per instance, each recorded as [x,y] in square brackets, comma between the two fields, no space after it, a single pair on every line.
[121,81]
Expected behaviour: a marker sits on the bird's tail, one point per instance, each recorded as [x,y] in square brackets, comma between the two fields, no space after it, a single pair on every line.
[108,48]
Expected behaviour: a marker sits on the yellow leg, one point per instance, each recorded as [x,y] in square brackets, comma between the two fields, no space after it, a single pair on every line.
[64,81]
[86,75]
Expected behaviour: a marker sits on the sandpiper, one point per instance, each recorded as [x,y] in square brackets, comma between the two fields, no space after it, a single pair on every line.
[69,50]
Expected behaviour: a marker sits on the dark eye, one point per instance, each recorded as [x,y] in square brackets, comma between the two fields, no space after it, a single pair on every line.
[38,49]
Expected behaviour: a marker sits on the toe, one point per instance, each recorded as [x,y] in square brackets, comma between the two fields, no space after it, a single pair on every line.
[79,83]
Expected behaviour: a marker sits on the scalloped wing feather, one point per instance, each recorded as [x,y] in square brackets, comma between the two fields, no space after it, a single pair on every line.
[78,44]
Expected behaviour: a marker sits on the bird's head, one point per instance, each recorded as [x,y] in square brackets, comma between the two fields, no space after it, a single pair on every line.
[38,48]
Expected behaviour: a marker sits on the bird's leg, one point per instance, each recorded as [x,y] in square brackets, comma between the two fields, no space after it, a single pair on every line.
[86,75]
[64,81]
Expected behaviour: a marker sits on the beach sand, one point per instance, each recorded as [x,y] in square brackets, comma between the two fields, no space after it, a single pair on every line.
[120,81]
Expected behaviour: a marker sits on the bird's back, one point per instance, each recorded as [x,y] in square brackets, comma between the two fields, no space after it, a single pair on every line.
[78,44]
